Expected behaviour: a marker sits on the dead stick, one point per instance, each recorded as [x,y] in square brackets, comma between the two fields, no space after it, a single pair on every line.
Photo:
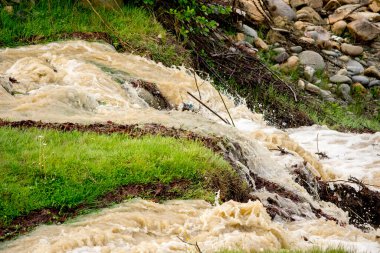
[225,106]
[211,110]
[196,83]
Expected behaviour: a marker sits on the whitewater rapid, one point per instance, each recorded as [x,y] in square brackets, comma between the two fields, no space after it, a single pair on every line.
[83,82]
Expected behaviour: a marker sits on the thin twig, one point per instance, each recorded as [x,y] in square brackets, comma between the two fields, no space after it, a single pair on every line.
[196,83]
[225,106]
[211,110]
[192,244]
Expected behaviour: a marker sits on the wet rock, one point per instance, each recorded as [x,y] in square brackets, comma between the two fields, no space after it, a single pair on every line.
[309,73]
[372,71]
[296,49]
[363,30]
[260,44]
[361,79]
[280,8]
[344,90]
[351,49]
[312,59]
[374,83]
[7,85]
[354,67]
[339,27]
[308,14]
[281,57]
[340,79]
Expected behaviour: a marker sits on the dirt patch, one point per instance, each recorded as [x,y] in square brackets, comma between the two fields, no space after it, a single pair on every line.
[361,203]
[154,192]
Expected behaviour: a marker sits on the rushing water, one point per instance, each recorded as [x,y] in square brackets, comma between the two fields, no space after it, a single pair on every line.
[86,82]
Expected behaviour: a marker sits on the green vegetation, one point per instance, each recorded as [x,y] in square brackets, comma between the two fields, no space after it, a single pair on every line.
[52,169]
[131,28]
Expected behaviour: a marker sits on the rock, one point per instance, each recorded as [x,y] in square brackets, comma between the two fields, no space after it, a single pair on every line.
[374,83]
[301,84]
[240,37]
[296,49]
[251,10]
[342,72]
[344,2]
[331,53]
[354,67]
[327,95]
[8,9]
[344,58]
[361,79]
[372,71]
[363,30]
[315,4]
[291,64]
[317,33]
[312,59]
[339,27]
[351,49]
[281,57]
[260,44]
[279,50]
[358,89]
[331,5]
[370,16]
[307,40]
[342,12]
[309,73]
[7,85]
[344,89]
[274,36]
[300,25]
[375,6]
[249,31]
[312,88]
[107,4]
[280,8]
[308,14]
[340,79]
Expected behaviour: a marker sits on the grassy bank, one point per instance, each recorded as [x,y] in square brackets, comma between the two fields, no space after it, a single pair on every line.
[130,28]
[51,169]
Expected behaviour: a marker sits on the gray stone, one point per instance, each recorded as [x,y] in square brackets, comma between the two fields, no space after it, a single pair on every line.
[340,79]
[313,88]
[354,67]
[342,72]
[312,59]
[296,49]
[327,95]
[344,89]
[309,73]
[351,49]
[279,50]
[280,58]
[374,83]
[249,31]
[344,58]
[360,79]
[331,53]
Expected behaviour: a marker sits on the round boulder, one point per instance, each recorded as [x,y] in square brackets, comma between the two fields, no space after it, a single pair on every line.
[312,59]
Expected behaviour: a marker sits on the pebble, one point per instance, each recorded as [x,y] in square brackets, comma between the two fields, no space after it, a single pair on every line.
[331,53]
[296,49]
[354,67]
[351,49]
[313,59]
[309,73]
[344,58]
[374,83]
[342,72]
[279,50]
[360,79]
[340,79]
[344,90]
[372,71]
[280,58]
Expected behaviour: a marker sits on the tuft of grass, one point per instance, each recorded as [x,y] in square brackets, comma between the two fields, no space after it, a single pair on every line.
[135,26]
[51,169]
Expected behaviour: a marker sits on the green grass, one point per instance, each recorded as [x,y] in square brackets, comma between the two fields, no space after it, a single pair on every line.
[45,22]
[46,168]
